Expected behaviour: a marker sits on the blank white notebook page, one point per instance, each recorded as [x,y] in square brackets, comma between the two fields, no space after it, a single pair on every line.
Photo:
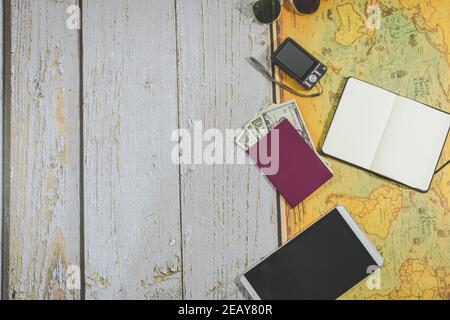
[412,143]
[359,123]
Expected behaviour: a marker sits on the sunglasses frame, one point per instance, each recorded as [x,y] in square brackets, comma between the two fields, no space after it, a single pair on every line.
[291,2]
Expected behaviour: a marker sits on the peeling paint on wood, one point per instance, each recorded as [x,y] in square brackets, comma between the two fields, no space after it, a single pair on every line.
[43,195]
[228,211]
[149,66]
[132,213]
[1,147]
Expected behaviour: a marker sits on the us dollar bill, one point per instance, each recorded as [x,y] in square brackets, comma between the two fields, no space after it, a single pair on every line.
[270,117]
[246,139]
[254,130]
[275,114]
[259,125]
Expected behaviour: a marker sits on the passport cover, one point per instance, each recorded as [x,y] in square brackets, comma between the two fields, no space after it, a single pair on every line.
[300,170]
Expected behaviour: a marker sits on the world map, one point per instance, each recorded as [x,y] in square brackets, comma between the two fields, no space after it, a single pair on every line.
[408,54]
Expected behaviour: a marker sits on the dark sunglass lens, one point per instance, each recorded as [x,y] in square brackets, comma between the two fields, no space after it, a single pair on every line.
[267,11]
[306,6]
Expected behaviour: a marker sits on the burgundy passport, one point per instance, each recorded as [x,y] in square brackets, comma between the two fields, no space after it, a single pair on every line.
[297,171]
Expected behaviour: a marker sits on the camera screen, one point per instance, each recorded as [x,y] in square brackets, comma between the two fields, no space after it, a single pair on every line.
[294,59]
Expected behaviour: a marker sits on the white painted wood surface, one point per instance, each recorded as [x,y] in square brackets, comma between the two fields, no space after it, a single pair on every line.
[132,207]
[42,199]
[1,147]
[228,211]
[152,229]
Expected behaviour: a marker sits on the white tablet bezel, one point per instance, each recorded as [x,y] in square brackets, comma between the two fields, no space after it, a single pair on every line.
[350,222]
[361,236]
[249,288]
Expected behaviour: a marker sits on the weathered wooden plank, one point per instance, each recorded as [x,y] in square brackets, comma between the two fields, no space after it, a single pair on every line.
[132,213]
[1,146]
[42,200]
[228,211]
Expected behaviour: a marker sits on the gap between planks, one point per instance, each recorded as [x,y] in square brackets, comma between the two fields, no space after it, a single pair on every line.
[7,147]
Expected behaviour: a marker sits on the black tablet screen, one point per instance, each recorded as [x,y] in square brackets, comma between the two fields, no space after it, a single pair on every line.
[323,262]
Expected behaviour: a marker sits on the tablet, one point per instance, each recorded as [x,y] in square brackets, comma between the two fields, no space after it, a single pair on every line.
[322,263]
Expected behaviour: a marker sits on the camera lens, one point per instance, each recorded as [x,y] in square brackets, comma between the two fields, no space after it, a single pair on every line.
[306,6]
[267,11]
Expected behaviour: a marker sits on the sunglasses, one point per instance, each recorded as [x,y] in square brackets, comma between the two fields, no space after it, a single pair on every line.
[268,11]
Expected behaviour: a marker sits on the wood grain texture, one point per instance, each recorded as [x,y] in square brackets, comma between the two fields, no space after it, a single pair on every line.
[132,213]
[228,211]
[1,147]
[43,186]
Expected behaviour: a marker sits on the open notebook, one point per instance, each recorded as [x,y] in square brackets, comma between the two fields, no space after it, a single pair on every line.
[390,135]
